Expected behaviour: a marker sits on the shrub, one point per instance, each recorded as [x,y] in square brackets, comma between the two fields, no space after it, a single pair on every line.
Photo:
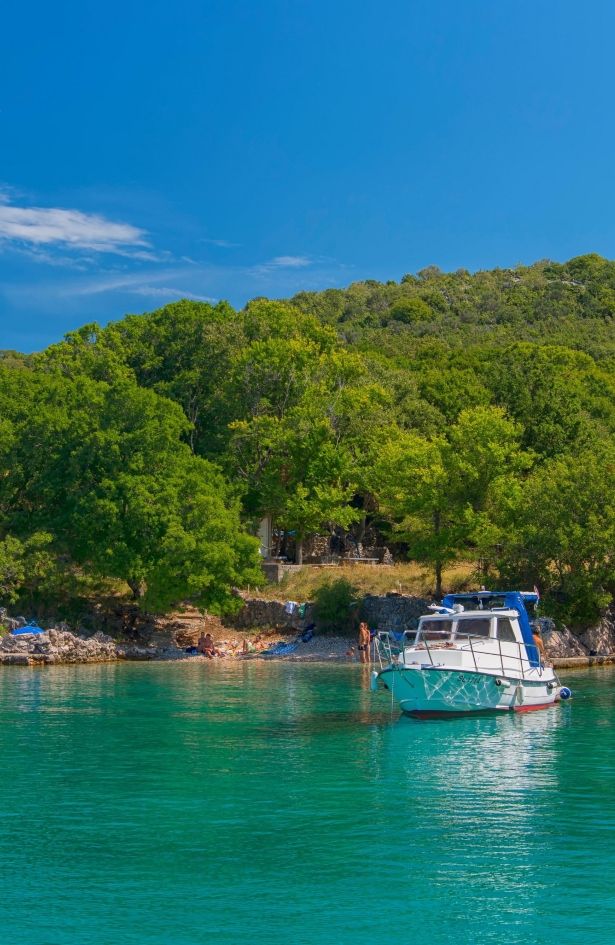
[410,311]
[334,603]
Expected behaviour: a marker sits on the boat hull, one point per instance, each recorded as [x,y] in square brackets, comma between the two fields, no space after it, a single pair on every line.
[432,691]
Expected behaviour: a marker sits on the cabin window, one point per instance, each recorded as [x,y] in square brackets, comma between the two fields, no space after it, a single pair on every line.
[436,629]
[474,627]
[505,630]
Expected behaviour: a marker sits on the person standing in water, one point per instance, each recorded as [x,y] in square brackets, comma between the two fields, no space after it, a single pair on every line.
[364,641]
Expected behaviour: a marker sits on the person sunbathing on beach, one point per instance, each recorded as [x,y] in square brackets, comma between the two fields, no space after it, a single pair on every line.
[208,647]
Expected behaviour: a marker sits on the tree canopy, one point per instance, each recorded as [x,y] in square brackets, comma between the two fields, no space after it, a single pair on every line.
[102,471]
[470,415]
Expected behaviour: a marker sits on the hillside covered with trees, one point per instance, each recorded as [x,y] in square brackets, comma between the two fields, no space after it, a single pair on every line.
[466,416]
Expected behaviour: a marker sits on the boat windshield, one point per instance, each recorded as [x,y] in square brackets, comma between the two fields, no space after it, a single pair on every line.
[473,627]
[435,630]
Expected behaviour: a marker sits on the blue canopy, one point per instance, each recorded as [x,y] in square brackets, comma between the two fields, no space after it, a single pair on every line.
[514,600]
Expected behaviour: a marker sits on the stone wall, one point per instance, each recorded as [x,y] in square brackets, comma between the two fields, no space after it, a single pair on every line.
[598,640]
[398,612]
[258,612]
[315,546]
[275,571]
[389,612]
[394,612]
[181,629]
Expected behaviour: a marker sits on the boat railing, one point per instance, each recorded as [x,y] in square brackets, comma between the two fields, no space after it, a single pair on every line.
[521,660]
[389,649]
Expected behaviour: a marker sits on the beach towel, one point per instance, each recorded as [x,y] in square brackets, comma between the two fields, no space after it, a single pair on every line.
[280,649]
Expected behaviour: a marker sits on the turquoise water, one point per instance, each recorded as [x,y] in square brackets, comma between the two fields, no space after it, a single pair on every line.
[277,803]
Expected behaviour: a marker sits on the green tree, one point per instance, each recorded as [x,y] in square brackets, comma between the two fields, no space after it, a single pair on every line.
[297,474]
[451,389]
[437,491]
[559,396]
[305,456]
[104,469]
[411,310]
[183,351]
[558,531]
[28,568]
[302,402]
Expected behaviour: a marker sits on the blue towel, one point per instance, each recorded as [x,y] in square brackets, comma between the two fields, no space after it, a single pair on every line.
[280,649]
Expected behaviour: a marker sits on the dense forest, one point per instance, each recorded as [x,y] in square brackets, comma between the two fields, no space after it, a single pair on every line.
[467,416]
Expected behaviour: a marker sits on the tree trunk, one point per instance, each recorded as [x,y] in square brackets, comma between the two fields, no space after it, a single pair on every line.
[298,550]
[362,528]
[138,589]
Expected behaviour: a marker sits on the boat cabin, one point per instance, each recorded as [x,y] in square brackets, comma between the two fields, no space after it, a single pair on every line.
[495,622]
[497,626]
[503,626]
[475,639]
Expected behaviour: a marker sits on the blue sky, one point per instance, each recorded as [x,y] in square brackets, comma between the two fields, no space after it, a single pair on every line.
[154,150]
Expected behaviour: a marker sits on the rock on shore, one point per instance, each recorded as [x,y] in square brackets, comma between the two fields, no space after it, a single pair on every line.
[62,646]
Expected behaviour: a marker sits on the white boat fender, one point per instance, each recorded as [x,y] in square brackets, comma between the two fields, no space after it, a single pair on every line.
[565,692]
[505,683]
[373,683]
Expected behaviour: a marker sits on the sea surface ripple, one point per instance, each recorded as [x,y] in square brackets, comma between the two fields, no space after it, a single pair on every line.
[276,803]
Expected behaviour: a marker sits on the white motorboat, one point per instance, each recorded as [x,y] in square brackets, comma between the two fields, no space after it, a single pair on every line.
[474,653]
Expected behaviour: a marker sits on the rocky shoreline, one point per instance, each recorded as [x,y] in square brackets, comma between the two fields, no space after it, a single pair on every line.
[62,646]
[57,647]
[257,626]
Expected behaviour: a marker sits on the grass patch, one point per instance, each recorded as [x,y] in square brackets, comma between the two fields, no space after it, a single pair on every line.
[406,578]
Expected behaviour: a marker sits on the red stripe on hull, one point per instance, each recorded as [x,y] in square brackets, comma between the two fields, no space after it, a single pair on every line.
[445,714]
[530,708]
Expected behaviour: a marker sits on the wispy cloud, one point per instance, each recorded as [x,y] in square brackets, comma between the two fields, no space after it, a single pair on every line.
[9,193]
[223,244]
[289,262]
[55,226]
[131,283]
[103,262]
[165,284]
[167,292]
[78,262]
[282,262]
